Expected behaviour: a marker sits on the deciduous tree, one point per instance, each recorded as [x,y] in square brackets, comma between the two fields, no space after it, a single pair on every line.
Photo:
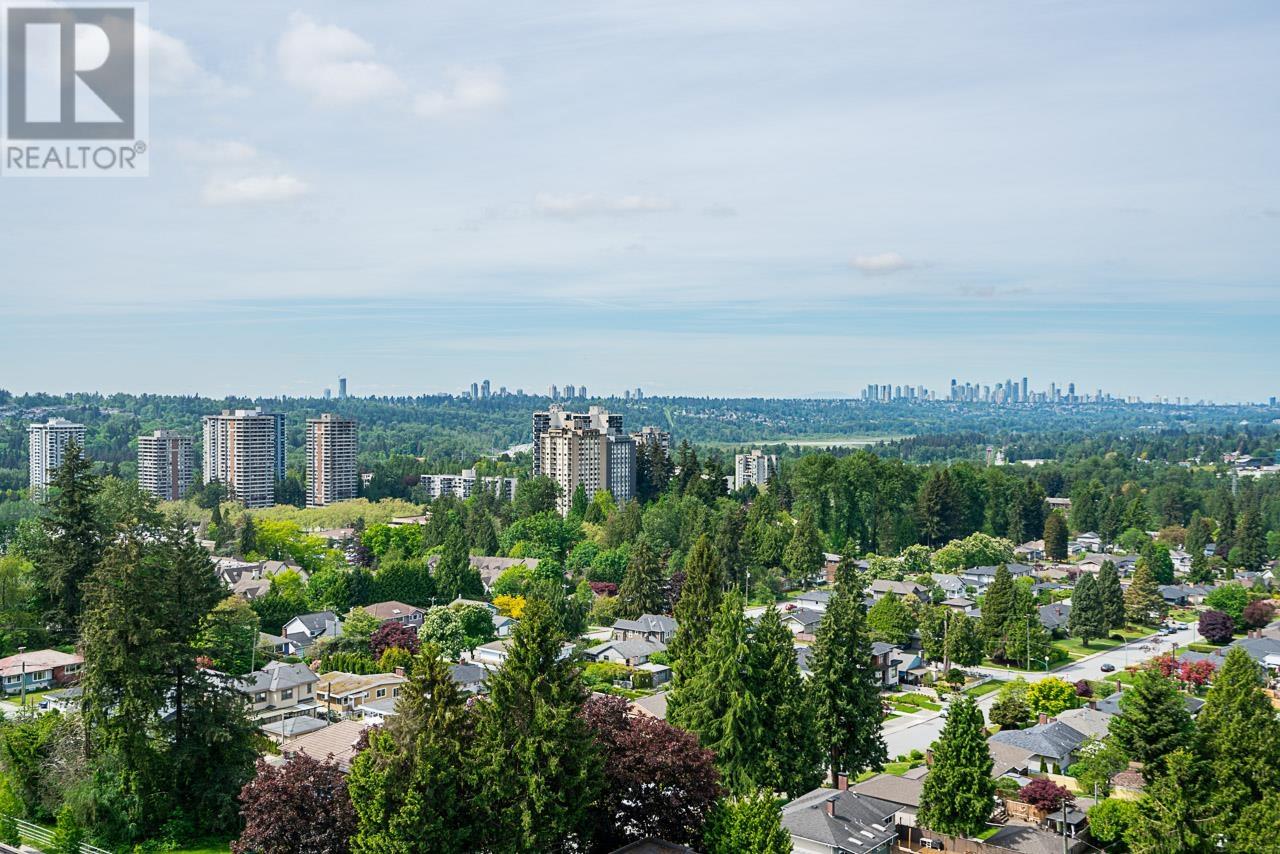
[301,805]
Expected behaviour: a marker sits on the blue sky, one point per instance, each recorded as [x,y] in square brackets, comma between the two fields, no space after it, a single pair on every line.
[715,198]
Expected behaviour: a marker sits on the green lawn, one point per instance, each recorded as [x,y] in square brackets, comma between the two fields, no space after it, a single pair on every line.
[1075,648]
[1122,676]
[207,847]
[1184,615]
[989,832]
[985,688]
[897,769]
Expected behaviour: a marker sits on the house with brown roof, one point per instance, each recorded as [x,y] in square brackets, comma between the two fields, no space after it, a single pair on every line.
[396,612]
[39,669]
[341,693]
[336,742]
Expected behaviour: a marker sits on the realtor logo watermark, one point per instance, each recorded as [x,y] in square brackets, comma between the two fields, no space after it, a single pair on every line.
[75,89]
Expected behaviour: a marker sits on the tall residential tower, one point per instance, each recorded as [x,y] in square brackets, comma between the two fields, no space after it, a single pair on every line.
[244,451]
[166,464]
[45,443]
[589,449]
[331,460]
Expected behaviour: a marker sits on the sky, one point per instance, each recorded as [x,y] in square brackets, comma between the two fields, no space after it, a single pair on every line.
[716,198]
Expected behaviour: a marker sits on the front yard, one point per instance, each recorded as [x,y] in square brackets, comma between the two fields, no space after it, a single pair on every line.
[1075,648]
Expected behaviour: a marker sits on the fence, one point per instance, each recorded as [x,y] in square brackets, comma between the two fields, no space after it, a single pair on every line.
[44,836]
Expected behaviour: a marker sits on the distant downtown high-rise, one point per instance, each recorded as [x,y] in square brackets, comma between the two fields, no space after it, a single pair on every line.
[754,468]
[46,442]
[244,451]
[166,464]
[588,449]
[332,474]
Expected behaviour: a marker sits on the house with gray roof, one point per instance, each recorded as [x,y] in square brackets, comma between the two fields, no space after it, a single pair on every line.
[279,691]
[816,600]
[840,822]
[654,628]
[306,629]
[1111,705]
[982,576]
[1051,744]
[1055,616]
[882,586]
[802,621]
[471,678]
[632,653]
[902,791]
[952,585]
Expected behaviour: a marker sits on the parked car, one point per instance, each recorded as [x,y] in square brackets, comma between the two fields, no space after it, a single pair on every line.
[1107,667]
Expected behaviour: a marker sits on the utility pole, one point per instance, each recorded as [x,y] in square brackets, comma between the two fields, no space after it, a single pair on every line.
[23,683]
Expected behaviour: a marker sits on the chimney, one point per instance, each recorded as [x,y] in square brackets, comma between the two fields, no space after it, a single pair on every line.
[842,781]
[400,671]
[830,805]
[1093,704]
[1044,719]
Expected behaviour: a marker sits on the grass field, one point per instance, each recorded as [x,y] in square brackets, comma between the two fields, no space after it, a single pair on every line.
[985,688]
[1075,648]
[1184,615]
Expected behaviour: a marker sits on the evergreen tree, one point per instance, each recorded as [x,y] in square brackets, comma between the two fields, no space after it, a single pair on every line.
[791,760]
[1112,596]
[700,597]
[165,739]
[1157,556]
[748,825]
[999,607]
[538,772]
[1250,545]
[1239,734]
[1199,530]
[1055,536]
[248,541]
[1153,721]
[455,576]
[74,539]
[803,555]
[1173,815]
[891,621]
[641,590]
[1143,603]
[717,703]
[730,529]
[578,502]
[1088,617]
[410,787]
[845,687]
[958,791]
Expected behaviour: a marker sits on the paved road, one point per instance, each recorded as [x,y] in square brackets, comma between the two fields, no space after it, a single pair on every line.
[917,732]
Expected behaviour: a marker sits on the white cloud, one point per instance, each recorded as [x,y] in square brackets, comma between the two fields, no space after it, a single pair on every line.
[174,69]
[885,262]
[254,189]
[332,64]
[470,90]
[571,205]
[216,151]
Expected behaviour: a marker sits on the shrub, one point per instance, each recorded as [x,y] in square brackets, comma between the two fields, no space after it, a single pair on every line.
[1084,688]
[1258,614]
[1216,627]
[1045,794]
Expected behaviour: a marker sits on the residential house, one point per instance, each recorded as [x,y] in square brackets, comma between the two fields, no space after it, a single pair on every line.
[279,691]
[471,678]
[1055,617]
[1089,541]
[953,586]
[901,589]
[278,645]
[654,628]
[631,653]
[802,622]
[910,667]
[814,600]
[1052,744]
[1111,705]
[306,629]
[831,562]
[494,654]
[342,692]
[803,655]
[1088,720]
[1023,839]
[1062,505]
[968,607]
[653,706]
[904,792]
[982,576]
[1032,551]
[479,603]
[397,612]
[336,743]
[832,821]
[377,712]
[882,655]
[503,626]
[39,669]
